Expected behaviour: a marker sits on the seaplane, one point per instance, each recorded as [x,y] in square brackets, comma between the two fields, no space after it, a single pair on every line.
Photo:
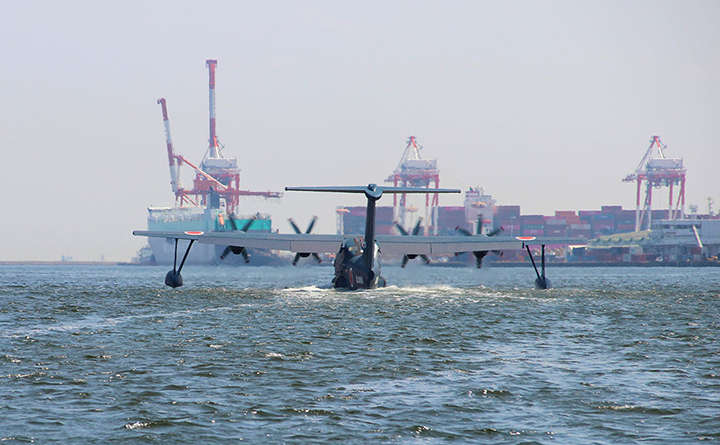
[356,260]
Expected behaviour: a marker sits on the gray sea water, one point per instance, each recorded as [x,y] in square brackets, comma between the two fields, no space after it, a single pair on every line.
[99,355]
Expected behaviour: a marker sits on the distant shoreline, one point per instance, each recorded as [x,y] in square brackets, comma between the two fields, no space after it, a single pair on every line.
[552,265]
[500,264]
[65,263]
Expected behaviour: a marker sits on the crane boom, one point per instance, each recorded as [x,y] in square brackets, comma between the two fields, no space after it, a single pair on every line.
[642,166]
[175,179]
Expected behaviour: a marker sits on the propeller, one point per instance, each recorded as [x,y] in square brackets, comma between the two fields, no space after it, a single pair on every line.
[415,232]
[307,231]
[491,233]
[238,250]
[479,255]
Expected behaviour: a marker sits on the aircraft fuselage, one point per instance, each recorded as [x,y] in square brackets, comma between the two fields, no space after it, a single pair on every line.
[351,271]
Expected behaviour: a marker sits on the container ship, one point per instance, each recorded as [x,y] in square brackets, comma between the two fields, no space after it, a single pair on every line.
[212,204]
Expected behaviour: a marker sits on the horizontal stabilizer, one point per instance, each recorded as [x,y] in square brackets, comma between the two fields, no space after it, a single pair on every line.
[357,189]
[417,190]
[371,188]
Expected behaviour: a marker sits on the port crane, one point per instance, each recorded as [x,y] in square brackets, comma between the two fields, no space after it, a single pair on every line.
[656,170]
[217,177]
[414,171]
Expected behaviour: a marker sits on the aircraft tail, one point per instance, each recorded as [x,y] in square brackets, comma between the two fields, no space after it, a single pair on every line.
[373,192]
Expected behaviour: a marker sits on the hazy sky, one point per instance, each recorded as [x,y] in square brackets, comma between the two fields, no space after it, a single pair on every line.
[545,104]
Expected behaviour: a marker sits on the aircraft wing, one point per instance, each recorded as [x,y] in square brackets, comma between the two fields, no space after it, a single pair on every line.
[390,244]
[434,245]
[551,241]
[298,243]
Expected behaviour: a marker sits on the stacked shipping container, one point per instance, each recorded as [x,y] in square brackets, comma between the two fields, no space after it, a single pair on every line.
[585,223]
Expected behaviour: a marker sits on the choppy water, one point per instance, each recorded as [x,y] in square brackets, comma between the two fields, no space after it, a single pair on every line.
[110,355]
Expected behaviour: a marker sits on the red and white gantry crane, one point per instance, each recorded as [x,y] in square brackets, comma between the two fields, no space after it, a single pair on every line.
[413,171]
[657,170]
[218,176]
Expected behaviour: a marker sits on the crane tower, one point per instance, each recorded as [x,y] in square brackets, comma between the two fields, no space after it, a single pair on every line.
[413,171]
[657,171]
[217,177]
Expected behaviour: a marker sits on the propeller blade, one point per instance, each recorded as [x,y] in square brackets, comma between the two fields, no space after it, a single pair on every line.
[294,226]
[463,230]
[300,232]
[401,229]
[417,228]
[231,217]
[248,224]
[496,231]
[237,250]
[312,223]
[415,232]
